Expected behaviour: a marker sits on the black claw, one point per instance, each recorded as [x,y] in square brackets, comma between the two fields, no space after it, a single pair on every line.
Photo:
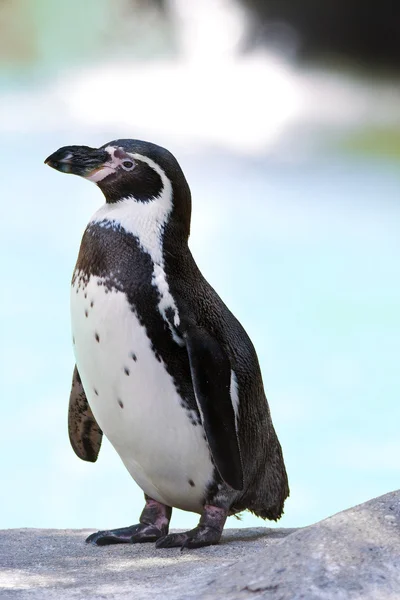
[185,545]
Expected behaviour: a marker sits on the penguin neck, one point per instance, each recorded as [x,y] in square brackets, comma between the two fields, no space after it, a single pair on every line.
[151,223]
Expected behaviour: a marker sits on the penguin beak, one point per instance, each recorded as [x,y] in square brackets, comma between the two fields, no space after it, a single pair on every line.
[79,160]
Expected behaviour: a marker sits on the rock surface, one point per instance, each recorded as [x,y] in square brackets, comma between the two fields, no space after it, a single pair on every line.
[352,555]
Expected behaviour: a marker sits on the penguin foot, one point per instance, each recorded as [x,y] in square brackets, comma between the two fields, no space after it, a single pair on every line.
[154,524]
[114,536]
[207,533]
[196,538]
[135,534]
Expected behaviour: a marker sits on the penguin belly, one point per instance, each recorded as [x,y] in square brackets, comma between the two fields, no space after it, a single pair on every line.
[134,399]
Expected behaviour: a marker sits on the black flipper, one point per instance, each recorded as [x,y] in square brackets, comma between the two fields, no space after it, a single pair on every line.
[84,433]
[211,376]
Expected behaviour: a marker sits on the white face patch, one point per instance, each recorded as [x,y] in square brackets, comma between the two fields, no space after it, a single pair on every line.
[100,174]
[146,221]
[110,166]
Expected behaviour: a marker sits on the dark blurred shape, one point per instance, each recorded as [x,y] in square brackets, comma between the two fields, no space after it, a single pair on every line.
[364,30]
[160,4]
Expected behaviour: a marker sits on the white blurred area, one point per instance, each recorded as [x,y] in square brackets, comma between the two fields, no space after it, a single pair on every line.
[205,94]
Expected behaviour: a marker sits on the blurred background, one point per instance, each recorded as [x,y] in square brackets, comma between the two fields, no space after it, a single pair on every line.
[285,117]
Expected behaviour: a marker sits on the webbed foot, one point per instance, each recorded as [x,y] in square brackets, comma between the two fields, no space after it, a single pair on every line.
[154,524]
[126,535]
[207,533]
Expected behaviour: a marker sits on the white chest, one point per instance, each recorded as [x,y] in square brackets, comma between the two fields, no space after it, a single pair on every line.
[134,399]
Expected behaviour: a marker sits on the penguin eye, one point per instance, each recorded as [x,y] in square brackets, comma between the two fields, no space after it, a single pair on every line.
[127,165]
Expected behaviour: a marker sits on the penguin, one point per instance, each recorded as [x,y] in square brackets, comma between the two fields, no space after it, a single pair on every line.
[163,368]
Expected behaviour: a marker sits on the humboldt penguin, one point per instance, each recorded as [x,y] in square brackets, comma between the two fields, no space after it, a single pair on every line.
[163,368]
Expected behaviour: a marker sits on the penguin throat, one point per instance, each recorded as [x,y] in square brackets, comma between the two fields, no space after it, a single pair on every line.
[147,222]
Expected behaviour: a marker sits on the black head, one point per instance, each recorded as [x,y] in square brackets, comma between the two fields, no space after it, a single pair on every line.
[129,169]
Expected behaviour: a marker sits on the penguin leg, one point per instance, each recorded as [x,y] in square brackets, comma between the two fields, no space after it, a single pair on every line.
[207,532]
[153,524]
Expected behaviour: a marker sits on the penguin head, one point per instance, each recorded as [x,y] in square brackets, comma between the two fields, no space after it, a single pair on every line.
[129,170]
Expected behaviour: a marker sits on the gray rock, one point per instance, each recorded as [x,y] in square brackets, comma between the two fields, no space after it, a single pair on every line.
[352,555]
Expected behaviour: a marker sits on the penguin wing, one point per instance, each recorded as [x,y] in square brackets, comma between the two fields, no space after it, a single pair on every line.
[84,433]
[211,376]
